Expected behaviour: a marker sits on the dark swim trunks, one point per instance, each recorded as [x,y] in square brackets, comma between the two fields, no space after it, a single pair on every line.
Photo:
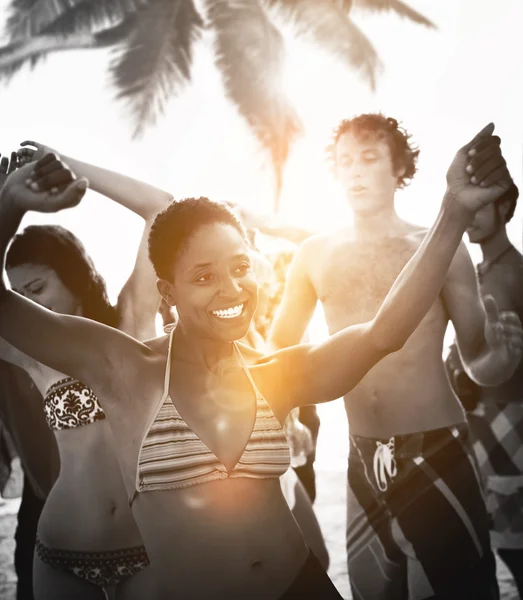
[417,524]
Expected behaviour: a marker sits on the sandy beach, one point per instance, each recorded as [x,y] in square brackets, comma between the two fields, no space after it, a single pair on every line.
[330,508]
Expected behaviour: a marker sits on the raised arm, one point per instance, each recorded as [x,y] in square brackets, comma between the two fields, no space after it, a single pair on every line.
[298,302]
[78,347]
[138,300]
[331,369]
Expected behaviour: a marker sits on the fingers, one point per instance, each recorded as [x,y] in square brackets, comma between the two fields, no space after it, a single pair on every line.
[51,174]
[55,181]
[69,197]
[510,317]
[483,143]
[500,176]
[13,163]
[484,133]
[491,165]
[486,148]
[511,331]
[30,143]
[4,165]
[491,308]
[74,192]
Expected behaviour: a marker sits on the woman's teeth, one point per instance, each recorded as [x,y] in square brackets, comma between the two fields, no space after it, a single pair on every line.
[229,313]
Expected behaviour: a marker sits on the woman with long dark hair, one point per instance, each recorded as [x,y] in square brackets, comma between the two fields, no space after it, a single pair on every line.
[88,545]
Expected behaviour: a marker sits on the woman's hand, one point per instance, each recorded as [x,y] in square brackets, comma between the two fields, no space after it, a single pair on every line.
[45,186]
[27,154]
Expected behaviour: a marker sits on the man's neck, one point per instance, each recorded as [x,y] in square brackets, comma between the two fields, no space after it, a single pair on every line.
[382,223]
[495,246]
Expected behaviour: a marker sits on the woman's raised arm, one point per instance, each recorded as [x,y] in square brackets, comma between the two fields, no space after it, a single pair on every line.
[75,346]
[138,300]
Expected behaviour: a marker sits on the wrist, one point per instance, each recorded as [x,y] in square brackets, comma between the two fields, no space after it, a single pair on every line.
[8,202]
[455,210]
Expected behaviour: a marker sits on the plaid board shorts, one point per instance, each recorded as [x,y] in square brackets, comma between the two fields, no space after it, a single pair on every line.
[417,526]
[497,438]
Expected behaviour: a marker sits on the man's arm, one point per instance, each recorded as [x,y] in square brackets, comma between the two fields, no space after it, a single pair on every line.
[483,363]
[298,302]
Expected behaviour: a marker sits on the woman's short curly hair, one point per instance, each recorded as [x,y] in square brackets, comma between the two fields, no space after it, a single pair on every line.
[60,250]
[173,227]
[403,153]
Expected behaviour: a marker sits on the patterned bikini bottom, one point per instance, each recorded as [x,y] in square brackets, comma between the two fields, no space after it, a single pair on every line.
[103,569]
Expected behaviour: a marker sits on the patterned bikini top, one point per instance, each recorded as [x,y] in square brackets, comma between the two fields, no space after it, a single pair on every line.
[69,403]
[172,456]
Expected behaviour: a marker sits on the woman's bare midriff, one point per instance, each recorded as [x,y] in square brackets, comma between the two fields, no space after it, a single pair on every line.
[87,508]
[223,539]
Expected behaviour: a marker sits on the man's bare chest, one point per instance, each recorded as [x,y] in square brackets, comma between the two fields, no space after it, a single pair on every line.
[354,279]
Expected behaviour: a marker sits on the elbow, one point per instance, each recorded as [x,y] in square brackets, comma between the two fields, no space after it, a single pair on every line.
[385,340]
[164,200]
[156,206]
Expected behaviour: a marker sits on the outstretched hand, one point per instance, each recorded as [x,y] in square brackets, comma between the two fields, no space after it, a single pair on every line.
[478,174]
[504,334]
[7,166]
[45,186]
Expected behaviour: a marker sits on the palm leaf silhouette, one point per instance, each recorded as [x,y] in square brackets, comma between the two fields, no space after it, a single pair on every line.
[249,54]
[154,41]
[330,27]
[156,57]
[395,6]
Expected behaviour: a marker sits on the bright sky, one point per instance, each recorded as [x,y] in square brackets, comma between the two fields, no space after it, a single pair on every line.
[444,85]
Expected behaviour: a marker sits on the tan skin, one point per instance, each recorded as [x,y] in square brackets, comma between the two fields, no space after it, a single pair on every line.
[351,273]
[226,538]
[502,278]
[87,508]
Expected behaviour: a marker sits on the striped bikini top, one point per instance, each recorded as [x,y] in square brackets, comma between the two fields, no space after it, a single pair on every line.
[69,403]
[172,456]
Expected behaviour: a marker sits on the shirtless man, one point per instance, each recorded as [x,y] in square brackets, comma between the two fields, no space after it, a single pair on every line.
[416,518]
[496,422]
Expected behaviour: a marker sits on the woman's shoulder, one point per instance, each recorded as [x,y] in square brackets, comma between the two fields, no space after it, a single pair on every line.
[250,354]
[157,345]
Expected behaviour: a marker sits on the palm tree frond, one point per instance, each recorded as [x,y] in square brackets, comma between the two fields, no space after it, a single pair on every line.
[29,18]
[400,8]
[15,55]
[156,57]
[331,28]
[249,54]
[92,16]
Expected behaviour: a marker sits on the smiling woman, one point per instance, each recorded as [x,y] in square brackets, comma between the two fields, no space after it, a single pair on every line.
[196,416]
[187,280]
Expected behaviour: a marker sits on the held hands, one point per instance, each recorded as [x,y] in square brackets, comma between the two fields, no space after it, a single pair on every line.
[478,174]
[29,154]
[504,335]
[45,186]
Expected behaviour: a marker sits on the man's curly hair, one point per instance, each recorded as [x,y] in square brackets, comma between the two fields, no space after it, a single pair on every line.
[403,153]
[173,227]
